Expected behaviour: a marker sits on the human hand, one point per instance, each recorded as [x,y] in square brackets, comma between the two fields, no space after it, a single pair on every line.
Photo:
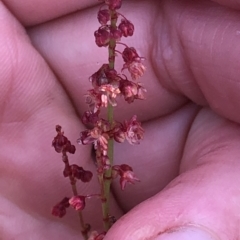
[191,147]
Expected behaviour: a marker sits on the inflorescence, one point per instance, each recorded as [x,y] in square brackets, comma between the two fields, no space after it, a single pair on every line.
[107,85]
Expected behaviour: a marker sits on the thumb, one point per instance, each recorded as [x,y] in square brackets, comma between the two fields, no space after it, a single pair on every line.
[203,201]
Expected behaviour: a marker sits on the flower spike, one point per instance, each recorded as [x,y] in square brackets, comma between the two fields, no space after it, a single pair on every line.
[108,84]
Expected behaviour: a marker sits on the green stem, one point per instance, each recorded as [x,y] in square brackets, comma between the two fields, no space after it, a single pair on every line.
[80,216]
[106,178]
[75,193]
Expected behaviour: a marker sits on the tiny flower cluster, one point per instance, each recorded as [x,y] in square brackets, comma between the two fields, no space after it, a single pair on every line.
[99,136]
[74,172]
[77,172]
[126,174]
[61,143]
[78,202]
[59,210]
[133,62]
[129,130]
[107,85]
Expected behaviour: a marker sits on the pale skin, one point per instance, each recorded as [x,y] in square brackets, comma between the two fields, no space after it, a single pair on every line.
[189,160]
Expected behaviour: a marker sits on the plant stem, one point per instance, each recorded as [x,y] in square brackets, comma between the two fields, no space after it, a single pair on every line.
[104,195]
[106,178]
[75,193]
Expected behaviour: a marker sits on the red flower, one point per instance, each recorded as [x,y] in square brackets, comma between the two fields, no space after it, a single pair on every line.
[59,210]
[102,37]
[126,27]
[133,62]
[93,99]
[114,4]
[100,77]
[104,75]
[86,137]
[105,162]
[119,134]
[103,16]
[134,131]
[131,90]
[90,117]
[98,136]
[77,202]
[105,84]
[86,176]
[126,175]
[80,173]
[109,92]
[116,34]
[67,171]
[129,54]
[61,143]
[130,130]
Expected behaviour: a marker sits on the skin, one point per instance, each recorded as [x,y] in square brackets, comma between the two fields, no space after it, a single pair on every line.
[188,162]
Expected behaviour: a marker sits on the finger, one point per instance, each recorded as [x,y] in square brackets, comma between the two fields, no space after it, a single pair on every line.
[32,102]
[197,53]
[232,3]
[31,12]
[68,46]
[188,46]
[203,201]
[156,160]
[181,67]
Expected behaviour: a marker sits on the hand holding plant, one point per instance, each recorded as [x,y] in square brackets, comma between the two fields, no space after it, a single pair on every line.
[191,143]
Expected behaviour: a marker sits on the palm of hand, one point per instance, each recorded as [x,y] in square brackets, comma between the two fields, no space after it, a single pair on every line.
[184,142]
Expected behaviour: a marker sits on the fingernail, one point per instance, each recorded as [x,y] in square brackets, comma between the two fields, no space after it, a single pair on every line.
[189,233]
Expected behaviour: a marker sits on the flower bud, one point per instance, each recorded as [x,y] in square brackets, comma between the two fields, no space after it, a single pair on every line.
[126,27]
[85,138]
[131,90]
[77,202]
[134,131]
[61,143]
[105,163]
[80,173]
[102,37]
[114,4]
[67,171]
[129,54]
[100,78]
[103,16]
[126,175]
[86,176]
[90,117]
[70,148]
[119,136]
[59,210]
[133,63]
[116,34]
